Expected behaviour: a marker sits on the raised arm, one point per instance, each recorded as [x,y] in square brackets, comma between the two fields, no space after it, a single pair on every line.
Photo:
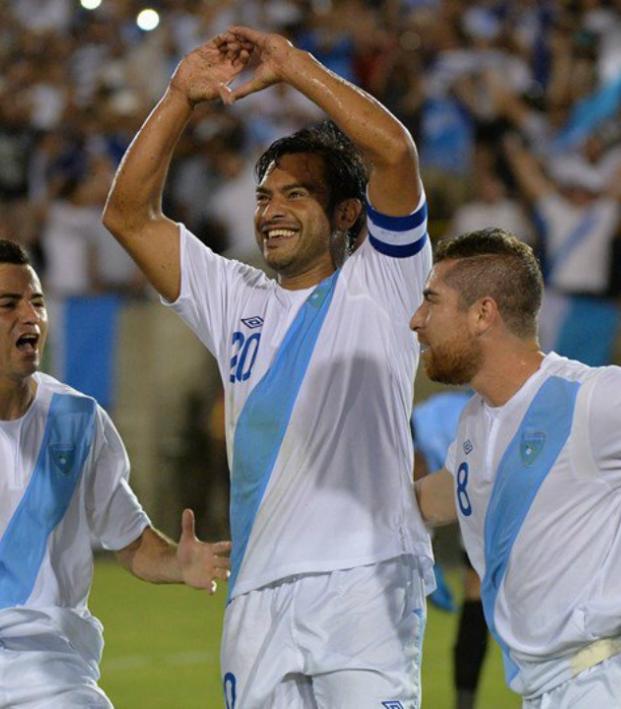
[155,558]
[530,178]
[394,184]
[436,498]
[133,211]
[614,186]
[505,101]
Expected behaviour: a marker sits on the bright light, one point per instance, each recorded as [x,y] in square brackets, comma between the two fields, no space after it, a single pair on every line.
[148,19]
[90,4]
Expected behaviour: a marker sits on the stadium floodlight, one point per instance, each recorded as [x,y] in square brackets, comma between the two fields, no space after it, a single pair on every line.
[148,19]
[90,4]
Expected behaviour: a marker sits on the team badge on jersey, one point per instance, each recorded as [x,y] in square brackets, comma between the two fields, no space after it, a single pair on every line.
[254,321]
[531,446]
[62,456]
[392,704]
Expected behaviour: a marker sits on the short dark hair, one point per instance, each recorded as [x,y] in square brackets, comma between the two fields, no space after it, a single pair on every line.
[12,252]
[345,172]
[495,263]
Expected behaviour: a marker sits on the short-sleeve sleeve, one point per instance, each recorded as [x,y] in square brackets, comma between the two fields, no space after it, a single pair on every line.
[394,261]
[209,283]
[605,421]
[449,462]
[398,237]
[114,513]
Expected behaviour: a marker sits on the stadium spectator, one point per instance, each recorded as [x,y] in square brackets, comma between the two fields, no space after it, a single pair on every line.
[533,473]
[317,423]
[17,140]
[579,216]
[78,255]
[491,205]
[64,487]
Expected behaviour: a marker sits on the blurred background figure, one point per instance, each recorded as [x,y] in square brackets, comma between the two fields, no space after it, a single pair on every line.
[578,214]
[434,424]
[491,203]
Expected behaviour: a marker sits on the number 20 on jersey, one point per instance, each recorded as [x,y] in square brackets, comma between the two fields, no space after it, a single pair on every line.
[244,355]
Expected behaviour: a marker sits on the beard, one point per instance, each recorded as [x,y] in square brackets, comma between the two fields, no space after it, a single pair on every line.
[280,263]
[455,361]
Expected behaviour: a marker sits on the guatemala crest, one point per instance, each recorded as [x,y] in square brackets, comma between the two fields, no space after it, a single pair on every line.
[63,456]
[531,446]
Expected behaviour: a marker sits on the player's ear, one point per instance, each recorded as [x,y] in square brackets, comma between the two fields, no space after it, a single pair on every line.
[346,213]
[484,314]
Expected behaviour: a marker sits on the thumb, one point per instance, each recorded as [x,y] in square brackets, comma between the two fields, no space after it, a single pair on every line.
[187,525]
[226,95]
[252,86]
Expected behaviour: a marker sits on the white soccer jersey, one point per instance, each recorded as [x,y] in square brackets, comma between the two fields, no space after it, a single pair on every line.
[538,493]
[318,386]
[578,242]
[63,487]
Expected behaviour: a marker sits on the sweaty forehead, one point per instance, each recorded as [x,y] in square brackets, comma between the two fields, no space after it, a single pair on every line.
[18,278]
[296,168]
[439,271]
[439,280]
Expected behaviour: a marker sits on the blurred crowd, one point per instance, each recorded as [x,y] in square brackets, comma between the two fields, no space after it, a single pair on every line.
[515,108]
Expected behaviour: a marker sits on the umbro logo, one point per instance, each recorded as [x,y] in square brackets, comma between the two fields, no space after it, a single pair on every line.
[468,447]
[392,705]
[252,322]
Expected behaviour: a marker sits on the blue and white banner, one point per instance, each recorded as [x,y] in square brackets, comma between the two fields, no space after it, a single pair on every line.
[84,343]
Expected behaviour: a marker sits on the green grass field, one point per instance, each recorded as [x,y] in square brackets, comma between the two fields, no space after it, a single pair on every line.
[162,647]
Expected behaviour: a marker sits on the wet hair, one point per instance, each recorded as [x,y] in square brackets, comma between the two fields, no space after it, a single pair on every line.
[345,172]
[12,252]
[492,262]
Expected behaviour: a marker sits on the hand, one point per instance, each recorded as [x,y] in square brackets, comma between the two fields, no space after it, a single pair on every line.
[270,53]
[201,563]
[204,73]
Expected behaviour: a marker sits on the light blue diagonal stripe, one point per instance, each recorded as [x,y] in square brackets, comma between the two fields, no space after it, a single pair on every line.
[262,424]
[579,233]
[66,442]
[519,477]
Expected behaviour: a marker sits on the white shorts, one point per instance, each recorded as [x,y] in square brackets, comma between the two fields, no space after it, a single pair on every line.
[350,639]
[599,687]
[45,672]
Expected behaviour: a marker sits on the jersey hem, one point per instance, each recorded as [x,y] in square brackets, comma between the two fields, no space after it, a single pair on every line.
[419,552]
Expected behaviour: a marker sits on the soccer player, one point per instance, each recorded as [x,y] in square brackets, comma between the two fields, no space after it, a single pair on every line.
[330,560]
[63,486]
[534,473]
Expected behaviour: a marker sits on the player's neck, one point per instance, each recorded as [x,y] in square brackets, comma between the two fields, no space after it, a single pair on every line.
[506,370]
[308,278]
[16,397]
